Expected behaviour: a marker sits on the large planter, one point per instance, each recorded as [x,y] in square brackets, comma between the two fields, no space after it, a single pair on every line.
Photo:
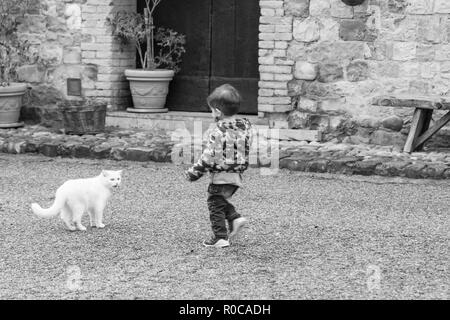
[83,117]
[10,104]
[149,89]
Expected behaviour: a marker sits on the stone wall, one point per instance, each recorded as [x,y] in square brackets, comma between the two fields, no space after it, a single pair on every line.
[321,61]
[74,41]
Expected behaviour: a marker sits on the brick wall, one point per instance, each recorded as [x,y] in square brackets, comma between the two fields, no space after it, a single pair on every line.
[74,40]
[321,61]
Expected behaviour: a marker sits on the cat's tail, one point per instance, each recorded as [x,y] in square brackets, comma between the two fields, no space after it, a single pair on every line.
[50,212]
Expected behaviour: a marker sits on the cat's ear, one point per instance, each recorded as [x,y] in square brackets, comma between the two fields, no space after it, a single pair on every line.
[104,173]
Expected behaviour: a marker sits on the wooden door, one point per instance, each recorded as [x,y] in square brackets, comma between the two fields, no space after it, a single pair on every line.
[222,47]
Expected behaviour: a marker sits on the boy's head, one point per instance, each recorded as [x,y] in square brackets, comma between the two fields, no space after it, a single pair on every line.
[224,101]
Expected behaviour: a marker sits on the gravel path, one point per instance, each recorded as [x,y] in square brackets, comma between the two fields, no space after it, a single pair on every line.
[310,236]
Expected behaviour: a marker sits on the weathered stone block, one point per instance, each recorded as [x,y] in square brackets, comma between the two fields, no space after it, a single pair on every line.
[409,69]
[397,6]
[274,100]
[392,168]
[317,165]
[118,153]
[357,71]
[81,151]
[65,149]
[341,10]
[72,55]
[441,6]
[30,73]
[307,30]
[295,87]
[343,165]
[319,122]
[402,51]
[298,120]
[355,30]
[306,104]
[419,86]
[329,29]
[32,146]
[101,151]
[385,69]
[332,51]
[49,149]
[319,7]
[425,52]
[73,16]
[394,123]
[429,30]
[330,72]
[434,171]
[332,105]
[138,154]
[305,71]
[51,53]
[419,6]
[430,69]
[414,170]
[366,167]
[283,77]
[297,8]
[160,155]
[273,108]
[317,90]
[385,138]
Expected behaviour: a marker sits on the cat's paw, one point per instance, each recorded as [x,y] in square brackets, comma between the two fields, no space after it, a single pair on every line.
[100,225]
[82,228]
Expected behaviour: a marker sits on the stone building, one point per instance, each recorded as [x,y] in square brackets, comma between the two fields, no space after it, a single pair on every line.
[319,61]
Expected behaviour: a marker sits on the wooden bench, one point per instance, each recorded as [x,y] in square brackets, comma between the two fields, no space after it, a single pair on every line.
[423,106]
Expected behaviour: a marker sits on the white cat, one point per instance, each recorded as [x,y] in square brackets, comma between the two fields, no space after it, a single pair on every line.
[75,197]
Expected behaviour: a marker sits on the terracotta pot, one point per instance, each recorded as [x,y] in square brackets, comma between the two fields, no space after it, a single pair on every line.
[149,89]
[10,104]
[353,2]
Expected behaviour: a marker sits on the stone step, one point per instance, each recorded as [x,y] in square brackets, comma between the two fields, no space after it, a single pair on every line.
[170,121]
[193,121]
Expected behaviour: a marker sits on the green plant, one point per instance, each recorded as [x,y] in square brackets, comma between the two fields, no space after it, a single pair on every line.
[163,48]
[14,51]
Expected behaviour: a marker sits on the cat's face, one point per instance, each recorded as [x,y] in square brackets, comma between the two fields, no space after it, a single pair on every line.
[112,178]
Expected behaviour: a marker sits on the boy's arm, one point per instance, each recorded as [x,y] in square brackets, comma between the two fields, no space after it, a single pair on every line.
[206,161]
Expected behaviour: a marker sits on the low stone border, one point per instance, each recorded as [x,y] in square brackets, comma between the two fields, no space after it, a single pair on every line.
[118,144]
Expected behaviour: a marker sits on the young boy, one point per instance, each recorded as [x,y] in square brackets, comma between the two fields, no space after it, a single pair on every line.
[226,157]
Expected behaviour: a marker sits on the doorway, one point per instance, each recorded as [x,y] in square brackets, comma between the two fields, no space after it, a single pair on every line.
[221,47]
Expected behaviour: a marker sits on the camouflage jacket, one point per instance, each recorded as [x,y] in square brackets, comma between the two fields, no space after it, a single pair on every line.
[227,149]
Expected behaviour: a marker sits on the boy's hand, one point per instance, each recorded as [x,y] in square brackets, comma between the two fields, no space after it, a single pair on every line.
[189,176]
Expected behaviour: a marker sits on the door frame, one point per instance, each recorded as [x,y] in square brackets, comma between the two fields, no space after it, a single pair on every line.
[274,65]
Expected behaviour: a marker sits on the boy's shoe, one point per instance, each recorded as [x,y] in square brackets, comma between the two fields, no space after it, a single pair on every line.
[216,242]
[236,226]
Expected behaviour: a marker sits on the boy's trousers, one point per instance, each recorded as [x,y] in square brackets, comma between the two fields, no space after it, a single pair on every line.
[220,209]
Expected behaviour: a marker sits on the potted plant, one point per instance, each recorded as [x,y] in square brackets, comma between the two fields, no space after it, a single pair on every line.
[159,54]
[14,52]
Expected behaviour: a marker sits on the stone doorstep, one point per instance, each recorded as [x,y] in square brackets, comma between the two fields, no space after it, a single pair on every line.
[193,121]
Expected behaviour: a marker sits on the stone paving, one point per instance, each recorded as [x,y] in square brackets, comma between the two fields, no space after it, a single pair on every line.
[160,146]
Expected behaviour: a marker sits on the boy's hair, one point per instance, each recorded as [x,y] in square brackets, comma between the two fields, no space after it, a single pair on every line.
[225,98]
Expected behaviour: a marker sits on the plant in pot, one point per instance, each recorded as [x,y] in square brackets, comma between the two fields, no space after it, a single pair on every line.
[14,52]
[159,54]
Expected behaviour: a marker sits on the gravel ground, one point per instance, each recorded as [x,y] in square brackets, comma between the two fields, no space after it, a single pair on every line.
[310,236]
